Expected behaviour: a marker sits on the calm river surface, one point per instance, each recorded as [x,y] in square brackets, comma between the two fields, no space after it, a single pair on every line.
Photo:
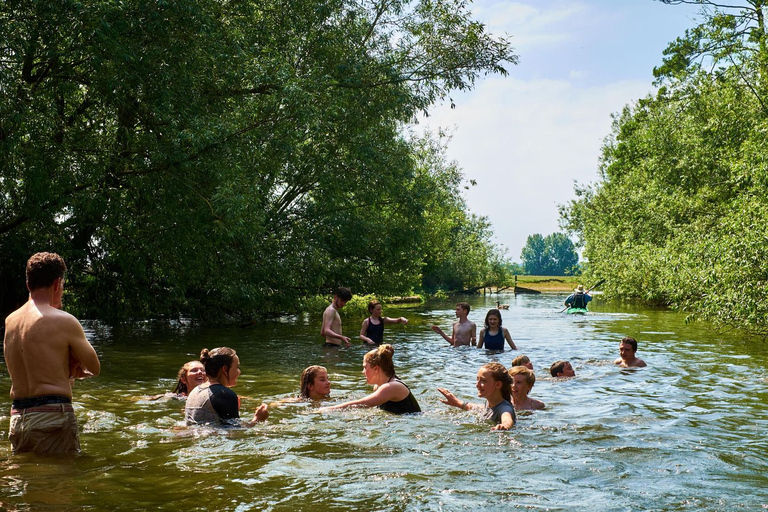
[687,433]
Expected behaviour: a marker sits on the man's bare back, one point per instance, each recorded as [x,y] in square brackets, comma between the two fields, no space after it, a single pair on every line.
[44,347]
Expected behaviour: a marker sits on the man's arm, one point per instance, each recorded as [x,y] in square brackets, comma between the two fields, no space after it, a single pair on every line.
[441,333]
[83,360]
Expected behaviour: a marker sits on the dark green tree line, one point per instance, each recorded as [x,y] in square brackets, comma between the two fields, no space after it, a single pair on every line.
[551,255]
[680,214]
[222,159]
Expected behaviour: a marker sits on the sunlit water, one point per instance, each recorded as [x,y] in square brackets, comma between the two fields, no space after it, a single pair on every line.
[686,433]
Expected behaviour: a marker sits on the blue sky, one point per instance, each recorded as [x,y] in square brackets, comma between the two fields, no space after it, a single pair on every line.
[527,137]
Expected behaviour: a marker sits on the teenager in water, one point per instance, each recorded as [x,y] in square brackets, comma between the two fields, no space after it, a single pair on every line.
[389,392]
[495,385]
[315,384]
[214,402]
[494,335]
[372,330]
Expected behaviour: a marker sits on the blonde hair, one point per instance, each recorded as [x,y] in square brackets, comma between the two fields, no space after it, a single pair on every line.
[308,378]
[499,373]
[381,357]
[181,378]
[530,377]
[520,361]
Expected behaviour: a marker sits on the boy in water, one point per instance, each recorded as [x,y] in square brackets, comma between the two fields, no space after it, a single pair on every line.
[464,332]
[331,328]
[523,380]
[562,369]
[627,349]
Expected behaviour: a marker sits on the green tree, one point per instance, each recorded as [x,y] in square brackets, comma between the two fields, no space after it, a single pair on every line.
[222,160]
[534,255]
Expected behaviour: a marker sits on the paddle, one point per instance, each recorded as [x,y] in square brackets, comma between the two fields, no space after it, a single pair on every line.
[588,290]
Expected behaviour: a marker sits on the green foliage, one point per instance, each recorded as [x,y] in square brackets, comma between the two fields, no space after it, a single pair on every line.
[553,255]
[224,159]
[679,216]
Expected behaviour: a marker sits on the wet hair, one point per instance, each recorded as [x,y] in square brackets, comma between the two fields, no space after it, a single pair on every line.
[494,312]
[308,378]
[521,361]
[557,367]
[372,305]
[630,341]
[216,359]
[181,379]
[530,377]
[463,305]
[343,293]
[382,358]
[43,268]
[499,373]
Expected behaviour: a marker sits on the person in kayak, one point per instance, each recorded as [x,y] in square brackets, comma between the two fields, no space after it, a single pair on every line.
[578,299]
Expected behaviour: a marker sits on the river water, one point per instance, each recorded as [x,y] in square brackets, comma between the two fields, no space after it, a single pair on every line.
[686,433]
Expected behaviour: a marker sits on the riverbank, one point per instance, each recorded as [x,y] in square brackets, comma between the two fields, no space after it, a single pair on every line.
[546,283]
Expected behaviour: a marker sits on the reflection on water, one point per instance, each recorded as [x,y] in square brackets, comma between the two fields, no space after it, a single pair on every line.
[688,432]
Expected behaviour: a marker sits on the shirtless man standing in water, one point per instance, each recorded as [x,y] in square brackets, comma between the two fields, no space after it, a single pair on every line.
[331,328]
[44,349]
[464,332]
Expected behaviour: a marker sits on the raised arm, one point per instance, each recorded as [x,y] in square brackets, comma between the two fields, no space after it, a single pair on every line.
[400,320]
[451,400]
[441,333]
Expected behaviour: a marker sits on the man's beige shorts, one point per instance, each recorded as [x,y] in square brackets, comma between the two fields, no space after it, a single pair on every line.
[44,429]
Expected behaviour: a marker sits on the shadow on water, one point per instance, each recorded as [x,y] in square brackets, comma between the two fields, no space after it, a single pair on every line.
[688,432]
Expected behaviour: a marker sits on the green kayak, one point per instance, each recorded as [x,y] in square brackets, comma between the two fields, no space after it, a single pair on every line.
[577,311]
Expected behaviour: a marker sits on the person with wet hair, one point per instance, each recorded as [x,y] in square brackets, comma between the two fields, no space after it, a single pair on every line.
[627,350]
[214,403]
[464,331]
[495,385]
[191,375]
[372,329]
[315,384]
[523,380]
[561,369]
[494,334]
[522,360]
[45,350]
[389,392]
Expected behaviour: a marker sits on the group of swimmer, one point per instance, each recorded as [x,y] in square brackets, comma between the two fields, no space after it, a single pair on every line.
[46,350]
[505,391]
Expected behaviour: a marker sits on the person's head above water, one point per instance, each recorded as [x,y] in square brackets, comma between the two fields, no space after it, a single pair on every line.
[562,369]
[314,383]
[43,268]
[191,375]
[381,358]
[492,313]
[221,364]
[501,380]
[522,360]
[521,374]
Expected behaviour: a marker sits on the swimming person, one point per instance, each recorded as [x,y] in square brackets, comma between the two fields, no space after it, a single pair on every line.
[523,380]
[562,369]
[494,334]
[495,385]
[389,392]
[372,330]
[191,375]
[463,332]
[627,350]
[331,328]
[315,384]
[214,402]
[522,360]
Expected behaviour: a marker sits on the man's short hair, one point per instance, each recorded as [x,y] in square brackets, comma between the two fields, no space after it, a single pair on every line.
[557,368]
[630,341]
[530,377]
[464,306]
[520,361]
[344,293]
[43,268]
